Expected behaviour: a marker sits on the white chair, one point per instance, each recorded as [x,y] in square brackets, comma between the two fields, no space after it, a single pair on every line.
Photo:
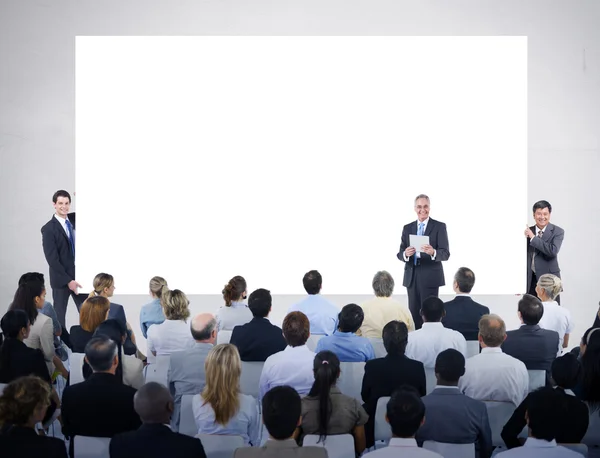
[187,422]
[338,446]
[223,337]
[76,368]
[91,447]
[216,446]
[592,436]
[498,414]
[159,371]
[430,380]
[250,377]
[313,340]
[537,379]
[383,430]
[582,449]
[451,450]
[350,381]
[378,347]
[472,348]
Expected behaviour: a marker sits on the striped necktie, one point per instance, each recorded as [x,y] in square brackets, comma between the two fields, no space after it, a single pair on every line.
[419,232]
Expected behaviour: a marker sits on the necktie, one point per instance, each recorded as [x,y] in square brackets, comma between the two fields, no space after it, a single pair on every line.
[419,232]
[70,235]
[539,234]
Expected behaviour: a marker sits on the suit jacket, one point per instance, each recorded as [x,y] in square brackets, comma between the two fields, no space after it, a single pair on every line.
[280,449]
[463,315]
[546,251]
[21,442]
[456,418]
[57,250]
[431,272]
[153,440]
[536,347]
[258,339]
[18,360]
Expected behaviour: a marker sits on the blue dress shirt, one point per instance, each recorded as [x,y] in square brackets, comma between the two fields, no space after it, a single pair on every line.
[348,347]
[150,314]
[321,313]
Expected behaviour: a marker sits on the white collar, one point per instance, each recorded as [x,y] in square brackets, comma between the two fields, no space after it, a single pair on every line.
[403,442]
[423,222]
[463,295]
[445,387]
[432,324]
[491,350]
[538,230]
[60,219]
[539,443]
[298,348]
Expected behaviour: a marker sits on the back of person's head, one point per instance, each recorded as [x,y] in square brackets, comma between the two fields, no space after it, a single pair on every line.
[544,413]
[93,311]
[492,330]
[350,319]
[102,282]
[282,410]
[156,286]
[405,412]
[26,296]
[432,309]
[234,290]
[101,354]
[566,371]
[175,304]
[24,401]
[326,368]
[551,285]
[115,331]
[259,302]
[531,309]
[395,338]
[13,322]
[312,282]
[61,193]
[223,368]
[449,367]
[203,327]
[296,329]
[465,279]
[31,277]
[383,284]
[153,403]
[590,365]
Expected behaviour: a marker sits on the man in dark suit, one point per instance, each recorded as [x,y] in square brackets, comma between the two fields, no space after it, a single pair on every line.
[154,439]
[258,339]
[58,242]
[462,312]
[544,240]
[423,271]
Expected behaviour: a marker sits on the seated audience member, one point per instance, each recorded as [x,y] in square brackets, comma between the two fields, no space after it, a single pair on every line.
[235,312]
[453,417]
[385,375]
[382,309]
[93,311]
[462,312]
[555,317]
[258,339]
[152,313]
[597,319]
[321,313]
[405,414]
[281,409]
[328,412]
[493,375]
[292,366]
[173,334]
[589,388]
[543,419]
[345,343]
[221,408]
[186,368]
[154,439]
[574,417]
[23,404]
[426,343]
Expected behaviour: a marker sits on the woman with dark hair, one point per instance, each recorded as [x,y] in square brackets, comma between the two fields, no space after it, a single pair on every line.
[590,366]
[326,411]
[235,312]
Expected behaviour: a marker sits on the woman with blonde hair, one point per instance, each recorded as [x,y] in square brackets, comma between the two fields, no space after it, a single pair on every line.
[555,317]
[94,311]
[221,408]
[152,313]
[235,312]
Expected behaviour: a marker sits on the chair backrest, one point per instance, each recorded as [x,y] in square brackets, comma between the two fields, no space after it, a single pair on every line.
[76,368]
[313,340]
[338,446]
[350,381]
[592,436]
[223,337]
[472,348]
[430,380]
[159,371]
[378,347]
[91,447]
[582,449]
[250,377]
[537,379]
[451,450]
[498,414]
[383,430]
[187,422]
[216,446]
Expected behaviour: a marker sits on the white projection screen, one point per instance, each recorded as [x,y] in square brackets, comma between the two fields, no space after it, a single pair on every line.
[201,158]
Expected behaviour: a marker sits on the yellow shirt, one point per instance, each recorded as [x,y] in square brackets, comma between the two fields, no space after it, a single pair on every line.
[379,311]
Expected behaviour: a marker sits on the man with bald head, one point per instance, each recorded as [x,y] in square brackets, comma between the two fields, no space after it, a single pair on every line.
[154,439]
[186,368]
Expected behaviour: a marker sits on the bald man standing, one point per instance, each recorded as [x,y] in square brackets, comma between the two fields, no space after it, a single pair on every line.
[186,369]
[154,439]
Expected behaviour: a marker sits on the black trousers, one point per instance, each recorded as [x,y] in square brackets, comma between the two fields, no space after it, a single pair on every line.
[417,293]
[60,297]
[533,284]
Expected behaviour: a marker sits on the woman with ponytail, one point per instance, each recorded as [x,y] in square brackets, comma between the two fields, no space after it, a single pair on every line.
[152,313]
[555,317]
[590,368]
[326,411]
[235,312]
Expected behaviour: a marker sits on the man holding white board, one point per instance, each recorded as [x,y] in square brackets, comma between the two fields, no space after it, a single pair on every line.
[423,247]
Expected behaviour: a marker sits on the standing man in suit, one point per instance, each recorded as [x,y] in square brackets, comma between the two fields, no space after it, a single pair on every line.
[544,240]
[58,241]
[423,271]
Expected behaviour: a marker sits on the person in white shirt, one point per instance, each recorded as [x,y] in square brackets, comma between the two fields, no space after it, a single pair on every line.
[555,317]
[405,414]
[426,343]
[294,365]
[235,312]
[493,375]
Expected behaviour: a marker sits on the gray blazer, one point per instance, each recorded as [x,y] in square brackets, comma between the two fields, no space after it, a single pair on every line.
[280,449]
[535,346]
[453,417]
[546,250]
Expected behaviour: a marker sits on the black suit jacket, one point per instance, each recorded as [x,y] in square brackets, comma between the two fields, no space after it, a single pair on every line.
[155,441]
[546,251]
[463,315]
[59,256]
[536,347]
[21,442]
[258,339]
[431,272]
[18,360]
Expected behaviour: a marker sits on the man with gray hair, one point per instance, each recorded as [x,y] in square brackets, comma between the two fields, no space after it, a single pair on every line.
[186,368]
[493,375]
[154,439]
[382,309]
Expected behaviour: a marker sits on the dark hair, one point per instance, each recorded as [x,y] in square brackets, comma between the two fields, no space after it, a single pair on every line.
[590,365]
[450,365]
[296,329]
[405,411]
[326,368]
[531,309]
[432,309]
[586,334]
[21,398]
[61,193]
[260,302]
[465,279]
[395,337]
[12,323]
[541,204]
[31,277]
[544,413]
[281,408]
[234,289]
[100,352]
[312,282]
[24,297]
[350,319]
[566,371]
[115,331]
[205,332]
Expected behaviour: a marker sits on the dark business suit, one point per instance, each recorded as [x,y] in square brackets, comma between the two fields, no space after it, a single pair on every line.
[536,347]
[546,250]
[463,315]
[154,440]
[258,339]
[117,312]
[22,442]
[425,278]
[18,360]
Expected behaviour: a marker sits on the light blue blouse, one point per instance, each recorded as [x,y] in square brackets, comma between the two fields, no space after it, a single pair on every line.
[150,314]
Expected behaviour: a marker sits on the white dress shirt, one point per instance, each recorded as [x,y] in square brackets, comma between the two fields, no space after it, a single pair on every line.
[169,336]
[418,253]
[236,314]
[538,448]
[292,366]
[63,223]
[428,342]
[495,376]
[403,448]
[556,318]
